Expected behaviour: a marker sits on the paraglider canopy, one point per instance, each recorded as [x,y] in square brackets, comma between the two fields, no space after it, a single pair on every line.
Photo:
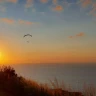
[27,37]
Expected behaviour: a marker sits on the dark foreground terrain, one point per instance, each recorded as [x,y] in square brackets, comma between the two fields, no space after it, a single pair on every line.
[13,85]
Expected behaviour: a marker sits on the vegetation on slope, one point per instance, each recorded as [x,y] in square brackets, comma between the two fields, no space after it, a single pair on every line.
[13,85]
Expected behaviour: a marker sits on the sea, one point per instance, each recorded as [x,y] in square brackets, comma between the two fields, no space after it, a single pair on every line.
[72,76]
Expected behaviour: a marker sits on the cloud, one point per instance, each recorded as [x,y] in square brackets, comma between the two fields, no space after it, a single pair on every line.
[91,3]
[93,11]
[28,3]
[10,1]
[8,21]
[58,8]
[25,22]
[77,35]
[54,2]
[22,22]
[44,1]
[85,3]
[67,4]
[71,36]
[80,34]
[2,9]
[94,14]
[94,5]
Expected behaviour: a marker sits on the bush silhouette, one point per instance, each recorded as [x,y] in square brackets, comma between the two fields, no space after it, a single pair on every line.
[10,82]
[13,85]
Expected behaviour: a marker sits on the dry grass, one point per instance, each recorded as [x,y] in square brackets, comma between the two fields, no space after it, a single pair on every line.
[89,90]
[59,85]
[11,83]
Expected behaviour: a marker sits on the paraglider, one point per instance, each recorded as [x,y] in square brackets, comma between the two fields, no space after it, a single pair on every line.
[27,35]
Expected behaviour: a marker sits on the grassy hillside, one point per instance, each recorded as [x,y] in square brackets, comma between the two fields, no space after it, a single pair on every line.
[13,85]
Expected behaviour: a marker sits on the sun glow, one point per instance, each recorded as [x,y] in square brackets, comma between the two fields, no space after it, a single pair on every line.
[1,58]
[0,55]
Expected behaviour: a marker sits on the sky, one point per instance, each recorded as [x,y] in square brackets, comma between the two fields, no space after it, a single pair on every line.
[63,31]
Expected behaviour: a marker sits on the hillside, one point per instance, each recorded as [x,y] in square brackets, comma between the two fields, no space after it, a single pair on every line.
[13,85]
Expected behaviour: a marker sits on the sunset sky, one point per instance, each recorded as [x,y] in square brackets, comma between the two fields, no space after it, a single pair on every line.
[62,31]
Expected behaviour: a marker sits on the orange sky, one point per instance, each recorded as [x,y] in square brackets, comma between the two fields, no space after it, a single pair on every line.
[67,56]
[62,31]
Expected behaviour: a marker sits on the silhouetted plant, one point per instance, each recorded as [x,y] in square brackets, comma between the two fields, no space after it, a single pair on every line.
[13,85]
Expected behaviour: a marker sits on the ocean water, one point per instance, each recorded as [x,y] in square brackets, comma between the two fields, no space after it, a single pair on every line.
[74,75]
